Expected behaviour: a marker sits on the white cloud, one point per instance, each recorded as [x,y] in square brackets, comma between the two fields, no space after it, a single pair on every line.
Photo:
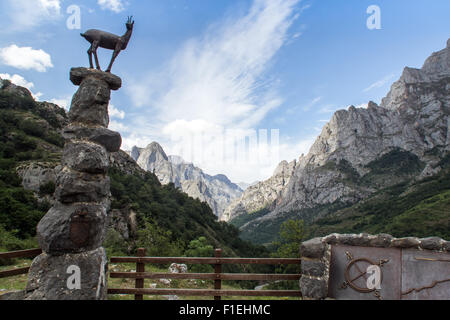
[362,106]
[215,83]
[120,127]
[116,113]
[26,14]
[113,5]
[20,81]
[63,102]
[329,108]
[380,83]
[17,80]
[25,58]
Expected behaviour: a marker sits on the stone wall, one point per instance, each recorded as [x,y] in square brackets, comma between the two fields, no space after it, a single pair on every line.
[316,255]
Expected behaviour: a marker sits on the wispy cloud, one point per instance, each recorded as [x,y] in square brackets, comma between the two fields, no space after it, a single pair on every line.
[62,102]
[312,103]
[25,58]
[22,82]
[116,113]
[113,5]
[380,83]
[27,14]
[216,81]
[329,108]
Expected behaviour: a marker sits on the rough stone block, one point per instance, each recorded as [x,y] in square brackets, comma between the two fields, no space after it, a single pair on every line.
[381,240]
[432,243]
[73,186]
[313,288]
[85,157]
[405,243]
[111,140]
[73,228]
[49,276]
[77,75]
[361,240]
[313,268]
[446,246]
[90,103]
[313,248]
[331,239]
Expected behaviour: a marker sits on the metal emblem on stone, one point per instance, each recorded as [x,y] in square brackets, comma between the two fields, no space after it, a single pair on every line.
[80,228]
[364,273]
[357,277]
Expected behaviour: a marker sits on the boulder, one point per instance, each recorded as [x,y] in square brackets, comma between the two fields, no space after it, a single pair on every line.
[314,248]
[111,140]
[178,268]
[85,157]
[77,75]
[74,186]
[90,103]
[73,228]
[50,276]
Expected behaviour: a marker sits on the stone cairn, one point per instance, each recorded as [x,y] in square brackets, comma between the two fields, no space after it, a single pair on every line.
[73,265]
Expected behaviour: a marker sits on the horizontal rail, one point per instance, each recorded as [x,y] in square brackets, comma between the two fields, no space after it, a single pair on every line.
[21,254]
[187,260]
[13,272]
[204,276]
[208,292]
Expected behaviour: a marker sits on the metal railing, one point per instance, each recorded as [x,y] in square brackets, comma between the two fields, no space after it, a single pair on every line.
[140,275]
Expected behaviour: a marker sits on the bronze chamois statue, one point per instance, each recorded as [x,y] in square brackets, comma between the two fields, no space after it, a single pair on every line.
[107,40]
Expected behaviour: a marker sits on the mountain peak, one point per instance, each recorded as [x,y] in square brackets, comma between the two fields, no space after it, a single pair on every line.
[156,149]
[437,65]
[218,191]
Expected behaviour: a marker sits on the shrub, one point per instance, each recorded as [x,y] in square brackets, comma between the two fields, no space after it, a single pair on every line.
[47,189]
[32,128]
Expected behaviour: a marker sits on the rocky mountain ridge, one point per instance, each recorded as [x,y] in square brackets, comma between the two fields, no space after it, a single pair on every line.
[218,191]
[411,124]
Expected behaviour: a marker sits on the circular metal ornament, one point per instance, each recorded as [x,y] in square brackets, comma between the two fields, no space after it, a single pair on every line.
[351,282]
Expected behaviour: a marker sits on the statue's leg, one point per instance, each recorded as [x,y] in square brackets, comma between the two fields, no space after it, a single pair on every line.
[114,56]
[95,47]
[91,65]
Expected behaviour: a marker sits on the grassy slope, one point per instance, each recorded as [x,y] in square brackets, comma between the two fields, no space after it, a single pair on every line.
[421,210]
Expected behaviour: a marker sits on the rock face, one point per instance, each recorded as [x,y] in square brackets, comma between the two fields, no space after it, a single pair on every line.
[218,191]
[263,194]
[412,121]
[8,86]
[72,232]
[37,174]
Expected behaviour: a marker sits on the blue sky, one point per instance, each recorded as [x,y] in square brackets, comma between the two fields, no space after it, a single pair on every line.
[201,75]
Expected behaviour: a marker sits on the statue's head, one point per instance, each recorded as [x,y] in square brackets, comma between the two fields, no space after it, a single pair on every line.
[130,23]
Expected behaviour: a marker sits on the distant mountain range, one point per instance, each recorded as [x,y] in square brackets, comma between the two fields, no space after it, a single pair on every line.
[218,191]
[362,151]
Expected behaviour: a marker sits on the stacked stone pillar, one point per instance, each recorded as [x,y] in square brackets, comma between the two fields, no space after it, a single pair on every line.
[74,264]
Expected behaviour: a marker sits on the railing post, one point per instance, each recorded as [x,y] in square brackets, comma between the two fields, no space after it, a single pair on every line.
[140,267]
[218,271]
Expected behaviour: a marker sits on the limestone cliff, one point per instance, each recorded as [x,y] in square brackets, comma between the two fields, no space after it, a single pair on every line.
[403,138]
[262,194]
